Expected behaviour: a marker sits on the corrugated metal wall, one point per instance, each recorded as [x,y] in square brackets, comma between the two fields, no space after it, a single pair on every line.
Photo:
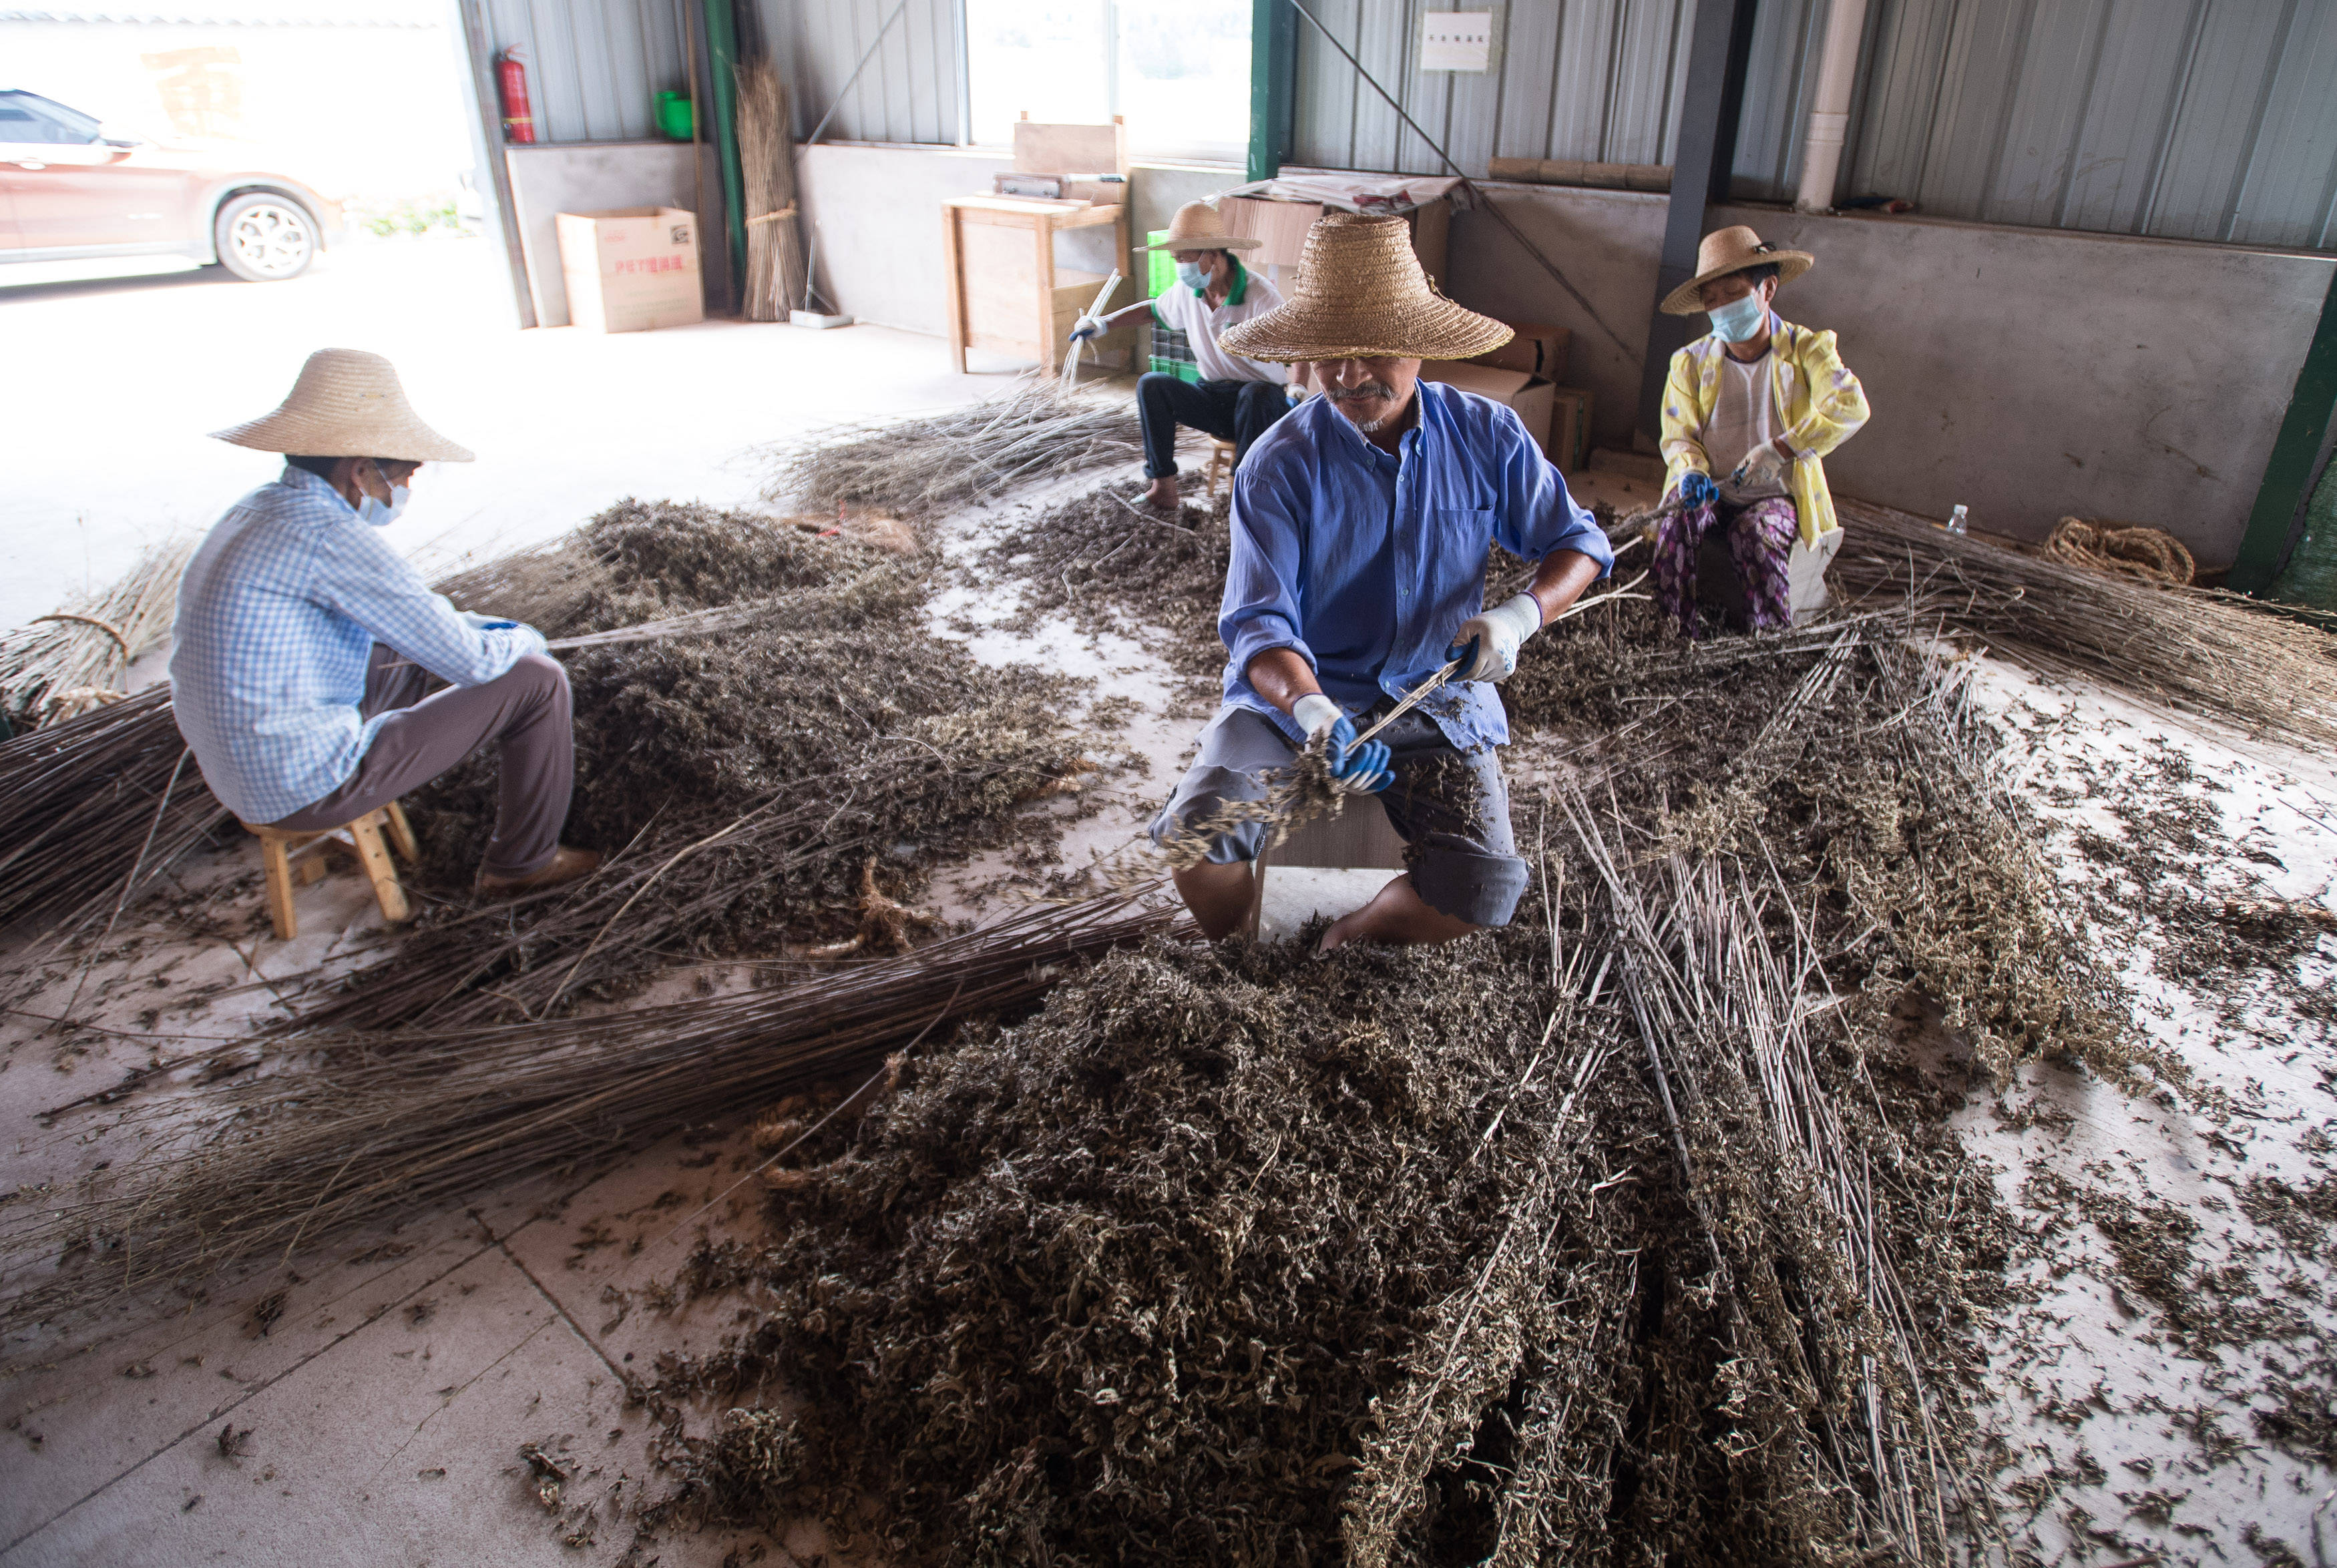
[911,90]
[2186,118]
[1590,79]
[595,67]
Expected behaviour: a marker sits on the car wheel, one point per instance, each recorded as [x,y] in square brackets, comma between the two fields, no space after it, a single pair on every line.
[265,238]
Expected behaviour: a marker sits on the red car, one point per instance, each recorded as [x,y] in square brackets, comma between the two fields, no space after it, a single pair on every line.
[69,192]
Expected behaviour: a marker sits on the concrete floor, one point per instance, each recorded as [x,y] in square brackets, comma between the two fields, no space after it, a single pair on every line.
[378,1417]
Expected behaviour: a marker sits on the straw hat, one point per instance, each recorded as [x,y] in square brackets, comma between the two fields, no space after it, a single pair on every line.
[1198,227]
[1361,294]
[347,404]
[1733,249]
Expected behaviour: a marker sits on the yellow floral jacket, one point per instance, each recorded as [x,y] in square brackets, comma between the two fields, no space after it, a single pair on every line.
[1819,406]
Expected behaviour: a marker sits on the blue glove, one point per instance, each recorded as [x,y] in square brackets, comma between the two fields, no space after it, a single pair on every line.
[1698,489]
[1358,769]
[1088,326]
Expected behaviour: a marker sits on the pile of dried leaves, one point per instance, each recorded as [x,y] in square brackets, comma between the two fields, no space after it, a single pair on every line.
[1626,1234]
[1110,568]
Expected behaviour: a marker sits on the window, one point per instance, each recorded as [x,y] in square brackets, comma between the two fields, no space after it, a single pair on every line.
[25,118]
[1178,71]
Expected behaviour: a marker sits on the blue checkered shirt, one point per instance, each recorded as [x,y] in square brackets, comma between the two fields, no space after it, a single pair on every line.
[277,615]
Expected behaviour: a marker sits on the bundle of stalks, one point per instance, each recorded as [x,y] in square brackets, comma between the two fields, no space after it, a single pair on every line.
[919,469]
[288,1160]
[774,284]
[1825,1359]
[66,662]
[2191,650]
[96,810]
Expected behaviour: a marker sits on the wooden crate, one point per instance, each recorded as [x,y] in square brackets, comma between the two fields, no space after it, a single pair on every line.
[1006,295]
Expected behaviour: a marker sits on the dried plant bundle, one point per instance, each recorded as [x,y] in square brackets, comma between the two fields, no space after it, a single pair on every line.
[64,663]
[2192,650]
[774,284]
[298,1156]
[922,468]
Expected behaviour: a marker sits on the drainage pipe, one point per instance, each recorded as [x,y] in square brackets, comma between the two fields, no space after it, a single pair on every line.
[1830,114]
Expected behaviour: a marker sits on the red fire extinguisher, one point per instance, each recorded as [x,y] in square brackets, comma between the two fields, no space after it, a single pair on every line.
[510,80]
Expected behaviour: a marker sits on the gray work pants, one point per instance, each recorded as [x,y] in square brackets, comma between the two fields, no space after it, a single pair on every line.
[525,711]
[1450,808]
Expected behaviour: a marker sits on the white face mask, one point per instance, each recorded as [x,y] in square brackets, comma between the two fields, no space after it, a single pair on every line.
[381,514]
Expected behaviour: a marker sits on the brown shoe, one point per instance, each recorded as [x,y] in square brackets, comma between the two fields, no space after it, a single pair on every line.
[566,865]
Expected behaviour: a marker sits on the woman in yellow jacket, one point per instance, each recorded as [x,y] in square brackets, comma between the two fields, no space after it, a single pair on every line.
[1749,411]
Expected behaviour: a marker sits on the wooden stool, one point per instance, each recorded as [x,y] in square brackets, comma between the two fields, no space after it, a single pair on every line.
[1221,463]
[361,837]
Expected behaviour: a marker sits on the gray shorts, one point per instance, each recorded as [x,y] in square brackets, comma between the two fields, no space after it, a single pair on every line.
[1451,808]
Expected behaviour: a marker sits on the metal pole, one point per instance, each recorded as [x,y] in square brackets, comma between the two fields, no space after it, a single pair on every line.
[1273,86]
[722,65]
[2296,451]
[1710,108]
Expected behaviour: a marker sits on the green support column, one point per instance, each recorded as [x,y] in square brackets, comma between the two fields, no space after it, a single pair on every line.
[2294,453]
[1273,84]
[722,58]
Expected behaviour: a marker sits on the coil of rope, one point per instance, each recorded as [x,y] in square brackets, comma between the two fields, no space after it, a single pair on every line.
[2152,554]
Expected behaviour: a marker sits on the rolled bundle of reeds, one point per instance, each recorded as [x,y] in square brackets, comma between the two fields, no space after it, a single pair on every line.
[73,658]
[2193,650]
[767,166]
[401,1123]
[922,468]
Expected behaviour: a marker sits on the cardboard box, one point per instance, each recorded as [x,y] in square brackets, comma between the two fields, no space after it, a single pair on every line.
[1080,150]
[1569,429]
[1281,228]
[1528,394]
[632,269]
[1538,349]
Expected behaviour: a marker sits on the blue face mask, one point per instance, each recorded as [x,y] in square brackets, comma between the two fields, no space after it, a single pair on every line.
[1739,318]
[1190,275]
[381,514]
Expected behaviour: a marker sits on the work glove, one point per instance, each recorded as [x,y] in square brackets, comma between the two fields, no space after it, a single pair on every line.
[1357,769]
[1487,643]
[1696,488]
[1292,393]
[1765,464]
[1088,327]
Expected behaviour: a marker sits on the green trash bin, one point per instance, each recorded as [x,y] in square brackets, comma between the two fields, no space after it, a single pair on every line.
[676,118]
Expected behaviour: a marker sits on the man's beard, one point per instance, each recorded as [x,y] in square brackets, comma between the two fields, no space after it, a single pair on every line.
[1380,390]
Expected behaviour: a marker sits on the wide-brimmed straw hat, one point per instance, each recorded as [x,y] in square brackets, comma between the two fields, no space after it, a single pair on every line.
[1360,294]
[1198,227]
[347,404]
[1733,249]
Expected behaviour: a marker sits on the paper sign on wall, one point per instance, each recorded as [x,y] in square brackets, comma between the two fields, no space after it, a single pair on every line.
[1456,41]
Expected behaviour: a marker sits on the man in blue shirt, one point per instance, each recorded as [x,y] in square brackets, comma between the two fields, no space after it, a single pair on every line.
[304,643]
[1362,524]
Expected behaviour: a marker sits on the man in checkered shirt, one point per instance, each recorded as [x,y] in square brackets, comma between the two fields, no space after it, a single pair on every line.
[305,645]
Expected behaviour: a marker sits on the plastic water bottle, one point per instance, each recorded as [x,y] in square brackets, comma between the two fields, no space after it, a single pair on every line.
[1956,520]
